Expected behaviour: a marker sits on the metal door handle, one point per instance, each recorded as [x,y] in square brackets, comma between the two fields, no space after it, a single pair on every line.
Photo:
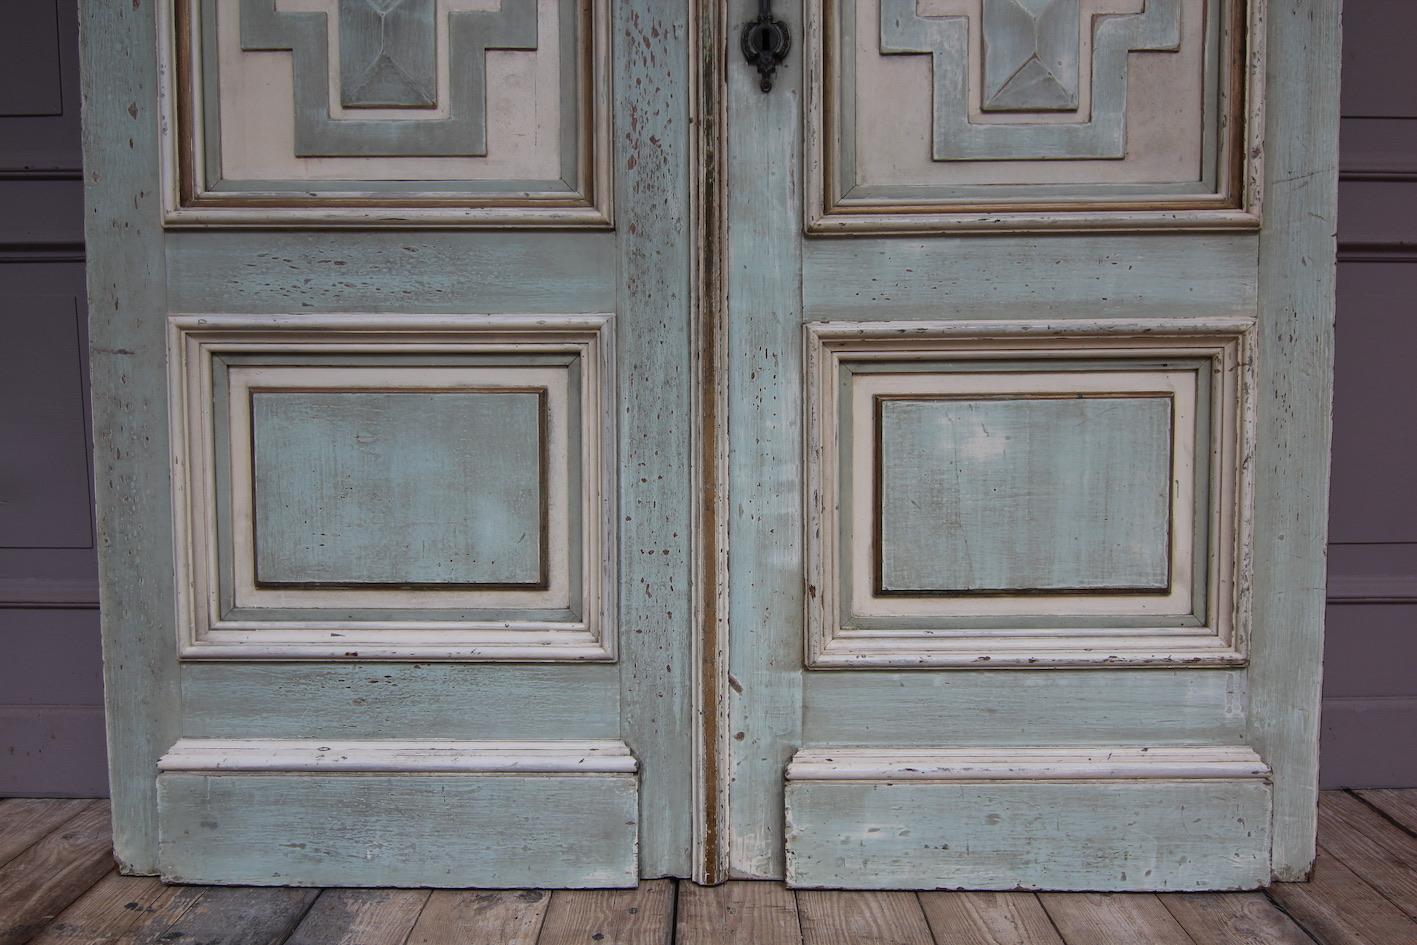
[766,41]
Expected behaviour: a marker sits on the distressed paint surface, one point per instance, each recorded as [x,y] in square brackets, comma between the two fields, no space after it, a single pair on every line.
[1019,494]
[388,53]
[127,294]
[1146,834]
[1297,260]
[1030,55]
[437,487]
[398,830]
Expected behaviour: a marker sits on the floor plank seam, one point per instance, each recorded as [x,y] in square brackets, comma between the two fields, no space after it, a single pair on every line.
[1380,812]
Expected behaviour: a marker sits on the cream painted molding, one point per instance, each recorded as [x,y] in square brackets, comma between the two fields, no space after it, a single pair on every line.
[1023,630]
[250,755]
[1025,764]
[416,625]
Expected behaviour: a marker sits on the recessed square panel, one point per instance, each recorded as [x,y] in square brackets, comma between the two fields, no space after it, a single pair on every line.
[403,488]
[1086,477]
[424,489]
[979,495]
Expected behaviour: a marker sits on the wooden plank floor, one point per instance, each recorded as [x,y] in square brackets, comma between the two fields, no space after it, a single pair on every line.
[58,887]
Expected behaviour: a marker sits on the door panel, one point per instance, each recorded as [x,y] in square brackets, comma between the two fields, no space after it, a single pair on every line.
[417,461]
[1040,558]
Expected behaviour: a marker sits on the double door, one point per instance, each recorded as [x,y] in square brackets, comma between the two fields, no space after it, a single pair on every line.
[531,453]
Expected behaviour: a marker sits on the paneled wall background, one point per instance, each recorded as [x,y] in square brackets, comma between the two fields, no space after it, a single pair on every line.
[51,716]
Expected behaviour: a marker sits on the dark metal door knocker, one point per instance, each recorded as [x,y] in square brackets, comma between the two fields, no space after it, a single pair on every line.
[766,43]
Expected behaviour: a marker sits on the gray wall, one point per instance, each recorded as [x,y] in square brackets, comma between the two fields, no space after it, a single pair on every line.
[51,724]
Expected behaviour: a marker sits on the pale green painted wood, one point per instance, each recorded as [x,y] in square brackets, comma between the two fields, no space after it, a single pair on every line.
[400,830]
[127,298]
[436,273]
[1030,55]
[997,495]
[1026,707]
[388,53]
[440,487]
[1297,253]
[400,700]
[764,270]
[1100,835]
[1082,276]
[651,78]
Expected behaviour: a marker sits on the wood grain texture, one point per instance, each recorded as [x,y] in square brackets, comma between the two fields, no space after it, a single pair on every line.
[864,918]
[1370,845]
[127,294]
[1003,276]
[502,917]
[1234,919]
[1113,919]
[1081,835]
[494,830]
[116,910]
[41,882]
[1398,803]
[738,912]
[1058,708]
[981,918]
[444,273]
[764,420]
[655,421]
[1338,908]
[641,916]
[232,915]
[360,917]
[1295,354]
[25,820]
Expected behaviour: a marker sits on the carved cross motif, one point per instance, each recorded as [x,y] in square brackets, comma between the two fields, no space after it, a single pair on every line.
[1030,55]
[388,53]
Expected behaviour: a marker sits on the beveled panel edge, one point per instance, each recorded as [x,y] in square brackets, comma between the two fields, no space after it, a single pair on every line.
[193,339]
[218,755]
[1239,207]
[188,203]
[1027,764]
[1225,640]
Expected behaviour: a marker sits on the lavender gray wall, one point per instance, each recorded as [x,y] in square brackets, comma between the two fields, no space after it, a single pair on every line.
[51,720]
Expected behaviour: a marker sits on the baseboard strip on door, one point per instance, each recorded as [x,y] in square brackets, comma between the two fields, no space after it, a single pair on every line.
[399,813]
[1166,818]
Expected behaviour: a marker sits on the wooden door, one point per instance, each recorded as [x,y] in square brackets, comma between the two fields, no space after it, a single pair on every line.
[1028,370]
[391,374]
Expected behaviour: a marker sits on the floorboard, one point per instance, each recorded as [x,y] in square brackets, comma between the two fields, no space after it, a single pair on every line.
[233,915]
[1337,908]
[862,918]
[642,916]
[983,918]
[1113,919]
[115,909]
[360,917]
[1233,919]
[481,917]
[1372,846]
[742,912]
[1400,804]
[40,883]
[25,820]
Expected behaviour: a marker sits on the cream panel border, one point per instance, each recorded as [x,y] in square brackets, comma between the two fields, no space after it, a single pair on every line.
[926,210]
[194,340]
[1222,636]
[582,200]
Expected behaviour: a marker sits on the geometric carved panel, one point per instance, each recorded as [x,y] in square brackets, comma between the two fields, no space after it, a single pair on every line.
[982,494]
[388,111]
[931,115]
[410,488]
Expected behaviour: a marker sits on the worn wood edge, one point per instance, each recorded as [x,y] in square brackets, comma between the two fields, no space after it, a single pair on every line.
[217,755]
[710,330]
[1043,764]
[1294,351]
